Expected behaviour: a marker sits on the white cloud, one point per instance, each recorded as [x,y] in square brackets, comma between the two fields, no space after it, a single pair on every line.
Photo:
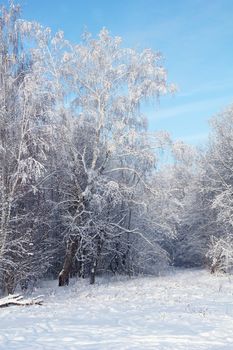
[198,107]
[195,138]
[210,87]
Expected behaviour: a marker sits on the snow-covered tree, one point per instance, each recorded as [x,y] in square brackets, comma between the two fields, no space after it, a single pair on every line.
[24,142]
[218,188]
[107,85]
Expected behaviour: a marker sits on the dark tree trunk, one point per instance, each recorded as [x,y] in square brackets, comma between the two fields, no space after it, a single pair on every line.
[126,256]
[9,282]
[63,278]
[93,271]
[95,261]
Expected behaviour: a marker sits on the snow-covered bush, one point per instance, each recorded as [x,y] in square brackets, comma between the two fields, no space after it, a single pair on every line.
[220,254]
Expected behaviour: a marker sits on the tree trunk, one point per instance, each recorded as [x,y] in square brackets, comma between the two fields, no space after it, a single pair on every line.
[9,282]
[95,261]
[17,300]
[126,257]
[63,278]
[93,271]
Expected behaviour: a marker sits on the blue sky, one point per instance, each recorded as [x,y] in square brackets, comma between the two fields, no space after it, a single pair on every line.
[195,37]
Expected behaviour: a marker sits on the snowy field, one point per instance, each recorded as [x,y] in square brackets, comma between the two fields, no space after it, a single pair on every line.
[189,309]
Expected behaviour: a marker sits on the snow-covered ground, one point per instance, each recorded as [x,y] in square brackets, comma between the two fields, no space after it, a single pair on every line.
[187,309]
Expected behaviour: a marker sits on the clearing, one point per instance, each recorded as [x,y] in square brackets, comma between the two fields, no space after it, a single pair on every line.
[184,310]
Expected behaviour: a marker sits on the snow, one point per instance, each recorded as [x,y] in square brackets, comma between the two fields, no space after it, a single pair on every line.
[186,309]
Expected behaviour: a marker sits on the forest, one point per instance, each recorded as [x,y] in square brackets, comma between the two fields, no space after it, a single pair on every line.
[86,188]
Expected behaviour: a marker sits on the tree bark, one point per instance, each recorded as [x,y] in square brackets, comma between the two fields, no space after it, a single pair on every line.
[63,278]
[17,300]
[9,282]
[95,261]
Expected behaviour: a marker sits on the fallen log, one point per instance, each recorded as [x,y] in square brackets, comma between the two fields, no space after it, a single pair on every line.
[17,299]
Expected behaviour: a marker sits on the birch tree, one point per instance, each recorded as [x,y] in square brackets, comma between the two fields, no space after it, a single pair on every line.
[24,102]
[107,84]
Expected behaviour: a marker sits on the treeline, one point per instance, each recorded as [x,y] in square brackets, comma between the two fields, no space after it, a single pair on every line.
[82,188]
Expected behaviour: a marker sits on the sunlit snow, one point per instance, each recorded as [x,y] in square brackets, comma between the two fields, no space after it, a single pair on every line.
[185,310]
